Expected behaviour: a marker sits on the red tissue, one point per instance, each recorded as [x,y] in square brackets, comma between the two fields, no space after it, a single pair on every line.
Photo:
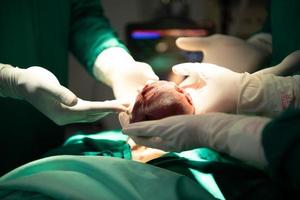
[161,99]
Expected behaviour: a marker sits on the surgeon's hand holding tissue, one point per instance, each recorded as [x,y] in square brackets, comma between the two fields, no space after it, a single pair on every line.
[215,89]
[114,66]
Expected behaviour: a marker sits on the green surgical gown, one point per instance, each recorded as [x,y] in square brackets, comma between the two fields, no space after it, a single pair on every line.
[283,23]
[281,137]
[281,142]
[41,33]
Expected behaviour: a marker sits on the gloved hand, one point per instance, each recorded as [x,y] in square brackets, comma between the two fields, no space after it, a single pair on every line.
[289,65]
[236,135]
[211,87]
[217,89]
[116,68]
[41,88]
[267,94]
[231,52]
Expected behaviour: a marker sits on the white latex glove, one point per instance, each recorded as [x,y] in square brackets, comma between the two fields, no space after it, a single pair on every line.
[267,94]
[236,135]
[41,88]
[231,52]
[116,68]
[211,87]
[217,89]
[289,65]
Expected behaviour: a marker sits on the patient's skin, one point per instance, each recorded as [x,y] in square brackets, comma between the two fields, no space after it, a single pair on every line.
[143,154]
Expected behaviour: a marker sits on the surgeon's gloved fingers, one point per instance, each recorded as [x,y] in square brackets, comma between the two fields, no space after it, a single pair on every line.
[154,128]
[133,129]
[125,102]
[200,70]
[124,119]
[195,79]
[183,69]
[47,82]
[62,94]
[110,106]
[149,72]
[191,68]
[97,107]
[132,78]
[193,43]
[87,111]
[145,128]
[187,81]
[188,69]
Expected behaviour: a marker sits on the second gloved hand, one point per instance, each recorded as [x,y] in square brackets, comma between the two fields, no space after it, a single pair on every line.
[217,89]
[41,88]
[231,52]
[236,135]
[130,79]
[115,67]
[211,87]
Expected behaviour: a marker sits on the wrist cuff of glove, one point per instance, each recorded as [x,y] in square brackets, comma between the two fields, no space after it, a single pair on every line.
[265,94]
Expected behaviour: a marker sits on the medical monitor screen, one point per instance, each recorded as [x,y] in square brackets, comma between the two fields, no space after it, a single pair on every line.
[157,47]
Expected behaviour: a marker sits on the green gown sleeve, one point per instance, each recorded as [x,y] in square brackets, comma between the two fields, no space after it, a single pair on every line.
[283,24]
[90,31]
[281,142]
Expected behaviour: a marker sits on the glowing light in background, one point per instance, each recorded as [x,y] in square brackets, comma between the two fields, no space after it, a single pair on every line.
[162,47]
[156,34]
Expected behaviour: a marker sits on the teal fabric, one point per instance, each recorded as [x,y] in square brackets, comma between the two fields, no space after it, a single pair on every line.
[77,177]
[107,143]
[216,174]
[281,142]
[41,33]
[25,195]
[283,23]
[235,180]
[91,147]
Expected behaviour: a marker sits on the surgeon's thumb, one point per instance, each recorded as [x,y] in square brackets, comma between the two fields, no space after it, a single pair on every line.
[187,69]
[124,119]
[63,95]
[193,43]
